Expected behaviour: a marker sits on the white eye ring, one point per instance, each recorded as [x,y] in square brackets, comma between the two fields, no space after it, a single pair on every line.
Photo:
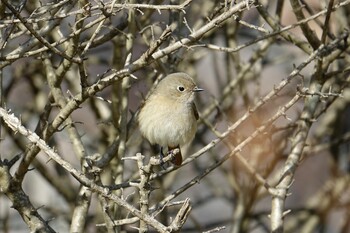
[180,88]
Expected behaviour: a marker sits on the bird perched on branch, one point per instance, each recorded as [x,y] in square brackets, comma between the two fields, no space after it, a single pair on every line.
[169,115]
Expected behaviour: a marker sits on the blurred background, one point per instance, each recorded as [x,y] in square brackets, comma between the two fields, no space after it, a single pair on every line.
[270,89]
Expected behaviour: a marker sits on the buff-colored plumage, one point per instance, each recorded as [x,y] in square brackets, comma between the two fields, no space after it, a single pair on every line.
[169,116]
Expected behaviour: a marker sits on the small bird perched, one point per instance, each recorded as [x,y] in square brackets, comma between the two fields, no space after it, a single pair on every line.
[169,115]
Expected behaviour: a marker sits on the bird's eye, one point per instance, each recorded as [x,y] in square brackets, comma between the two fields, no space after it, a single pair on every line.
[180,88]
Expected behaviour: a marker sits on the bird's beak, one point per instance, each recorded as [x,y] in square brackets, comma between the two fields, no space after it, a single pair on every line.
[197,89]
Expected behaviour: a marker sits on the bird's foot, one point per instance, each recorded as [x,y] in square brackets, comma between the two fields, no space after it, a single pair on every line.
[176,157]
[161,158]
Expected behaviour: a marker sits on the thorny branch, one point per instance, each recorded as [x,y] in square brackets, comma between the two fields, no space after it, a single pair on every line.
[276,100]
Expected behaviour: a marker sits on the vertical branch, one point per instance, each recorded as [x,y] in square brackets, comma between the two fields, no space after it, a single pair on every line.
[2,45]
[120,94]
[80,212]
[84,197]
[280,191]
[120,104]
[72,46]
[144,189]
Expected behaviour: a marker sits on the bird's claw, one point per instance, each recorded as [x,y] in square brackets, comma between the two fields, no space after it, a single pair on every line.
[161,157]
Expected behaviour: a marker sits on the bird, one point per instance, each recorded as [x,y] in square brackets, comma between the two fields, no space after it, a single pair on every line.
[169,115]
